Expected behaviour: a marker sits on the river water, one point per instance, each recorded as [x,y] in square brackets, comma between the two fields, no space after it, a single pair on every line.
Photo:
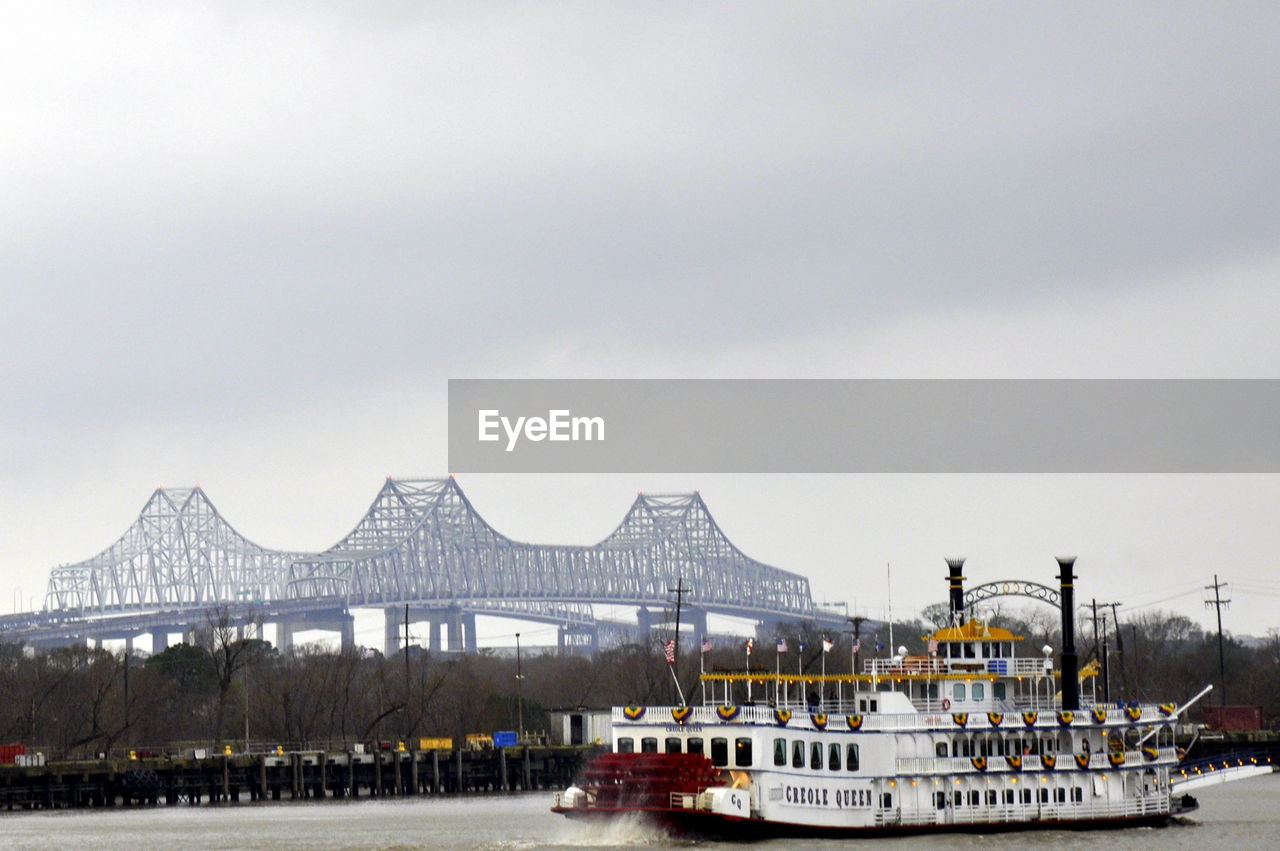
[1243,814]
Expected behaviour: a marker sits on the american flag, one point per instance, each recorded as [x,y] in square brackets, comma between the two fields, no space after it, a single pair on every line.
[706,644]
[751,642]
[827,644]
[857,645]
[669,648]
[933,645]
[782,645]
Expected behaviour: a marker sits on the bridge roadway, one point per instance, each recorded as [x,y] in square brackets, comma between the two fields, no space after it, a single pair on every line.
[576,630]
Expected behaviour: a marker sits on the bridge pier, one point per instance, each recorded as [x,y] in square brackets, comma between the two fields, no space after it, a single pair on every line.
[644,623]
[159,640]
[697,619]
[576,639]
[392,629]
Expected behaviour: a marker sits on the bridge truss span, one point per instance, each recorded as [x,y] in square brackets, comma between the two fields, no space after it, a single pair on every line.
[422,543]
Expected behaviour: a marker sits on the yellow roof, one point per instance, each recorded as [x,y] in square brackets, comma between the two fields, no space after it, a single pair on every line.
[974,631]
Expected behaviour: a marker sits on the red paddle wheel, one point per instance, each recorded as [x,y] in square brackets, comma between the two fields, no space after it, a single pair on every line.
[646,780]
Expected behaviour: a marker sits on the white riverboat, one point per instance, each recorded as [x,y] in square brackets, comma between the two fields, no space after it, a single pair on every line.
[971,736]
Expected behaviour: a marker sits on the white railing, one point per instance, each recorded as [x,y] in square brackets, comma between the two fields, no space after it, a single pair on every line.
[1031,763]
[1005,813]
[944,720]
[959,667]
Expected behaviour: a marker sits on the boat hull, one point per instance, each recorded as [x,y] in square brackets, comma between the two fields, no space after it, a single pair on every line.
[695,824]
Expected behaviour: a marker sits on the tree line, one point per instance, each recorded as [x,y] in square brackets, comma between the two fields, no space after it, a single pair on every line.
[220,689]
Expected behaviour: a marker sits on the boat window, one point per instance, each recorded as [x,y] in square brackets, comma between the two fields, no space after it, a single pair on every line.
[1060,796]
[955,649]
[986,650]
[933,691]
[886,800]
[815,755]
[975,797]
[779,751]
[673,745]
[940,800]
[940,749]
[720,752]
[998,691]
[851,757]
[991,797]
[626,744]
[649,744]
[1043,796]
[742,752]
[970,650]
[833,756]
[1025,796]
[958,691]
[1008,796]
[979,691]
[957,798]
[1049,746]
[1077,794]
[695,744]
[797,754]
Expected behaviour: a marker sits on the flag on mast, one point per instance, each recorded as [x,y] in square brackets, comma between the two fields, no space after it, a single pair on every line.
[782,645]
[669,649]
[751,642]
[706,644]
[857,645]
[827,644]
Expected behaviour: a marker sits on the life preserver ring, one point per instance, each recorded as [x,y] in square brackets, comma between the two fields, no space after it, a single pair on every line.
[946,704]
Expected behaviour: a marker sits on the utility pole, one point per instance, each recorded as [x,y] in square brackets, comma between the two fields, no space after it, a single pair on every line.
[519,693]
[1217,602]
[680,590]
[1124,670]
[1103,650]
[406,670]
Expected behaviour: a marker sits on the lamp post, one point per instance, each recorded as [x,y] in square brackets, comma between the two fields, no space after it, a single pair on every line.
[519,692]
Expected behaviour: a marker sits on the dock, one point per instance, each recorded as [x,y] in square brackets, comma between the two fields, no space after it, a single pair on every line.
[296,775]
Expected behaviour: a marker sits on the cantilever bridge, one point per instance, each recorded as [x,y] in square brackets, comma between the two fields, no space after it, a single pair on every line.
[422,546]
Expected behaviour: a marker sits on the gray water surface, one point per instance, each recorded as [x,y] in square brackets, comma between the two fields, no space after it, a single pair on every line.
[1243,814]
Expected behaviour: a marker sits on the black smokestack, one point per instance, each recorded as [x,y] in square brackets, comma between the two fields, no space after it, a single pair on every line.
[956,580]
[1070,664]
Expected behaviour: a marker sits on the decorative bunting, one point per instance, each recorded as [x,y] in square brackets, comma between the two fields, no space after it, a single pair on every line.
[781,716]
[1134,712]
[1166,709]
[1048,761]
[979,762]
[1152,754]
[1065,717]
[996,718]
[961,718]
[1030,718]
[1015,761]
[854,722]
[1181,753]
[633,712]
[1082,760]
[1099,715]
[1116,758]
[819,720]
[727,713]
[680,714]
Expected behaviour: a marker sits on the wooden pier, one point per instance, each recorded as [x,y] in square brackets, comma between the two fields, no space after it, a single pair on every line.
[297,775]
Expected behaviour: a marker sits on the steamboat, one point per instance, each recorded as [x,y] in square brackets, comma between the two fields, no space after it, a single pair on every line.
[971,736]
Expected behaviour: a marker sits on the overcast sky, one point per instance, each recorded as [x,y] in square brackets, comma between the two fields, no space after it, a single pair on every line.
[246,247]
